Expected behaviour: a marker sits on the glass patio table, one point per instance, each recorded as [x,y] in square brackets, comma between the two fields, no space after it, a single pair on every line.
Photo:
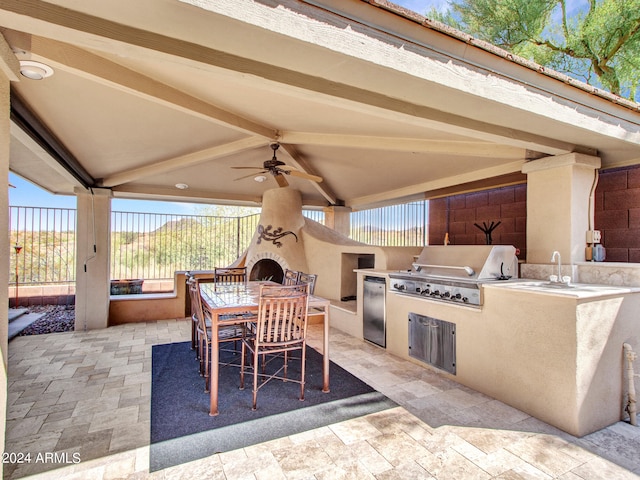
[229,299]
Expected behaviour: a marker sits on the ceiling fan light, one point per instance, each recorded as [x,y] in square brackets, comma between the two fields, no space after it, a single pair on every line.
[182,186]
[35,70]
[260,178]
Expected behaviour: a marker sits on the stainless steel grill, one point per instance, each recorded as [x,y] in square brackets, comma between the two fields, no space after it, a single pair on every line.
[454,273]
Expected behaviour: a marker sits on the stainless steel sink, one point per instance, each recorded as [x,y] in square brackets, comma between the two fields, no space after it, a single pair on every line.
[557,285]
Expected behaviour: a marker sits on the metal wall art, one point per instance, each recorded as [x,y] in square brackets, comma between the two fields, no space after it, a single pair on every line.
[265,233]
[488,230]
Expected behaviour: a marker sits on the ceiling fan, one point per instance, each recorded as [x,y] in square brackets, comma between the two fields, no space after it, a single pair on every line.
[279,169]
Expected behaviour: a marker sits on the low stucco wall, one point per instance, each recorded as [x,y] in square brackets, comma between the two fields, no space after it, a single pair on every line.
[561,358]
[150,306]
[62,294]
[557,358]
[334,258]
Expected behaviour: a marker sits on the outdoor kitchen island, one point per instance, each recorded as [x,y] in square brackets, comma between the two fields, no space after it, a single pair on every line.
[556,354]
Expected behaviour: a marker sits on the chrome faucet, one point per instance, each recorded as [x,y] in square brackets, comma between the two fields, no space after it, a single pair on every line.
[553,259]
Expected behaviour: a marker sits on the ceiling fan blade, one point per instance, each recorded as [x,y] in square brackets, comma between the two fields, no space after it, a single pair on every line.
[281,180]
[308,176]
[247,168]
[251,175]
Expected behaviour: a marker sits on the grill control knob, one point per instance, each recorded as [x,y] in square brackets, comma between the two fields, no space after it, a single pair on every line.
[465,299]
[457,296]
[446,295]
[435,293]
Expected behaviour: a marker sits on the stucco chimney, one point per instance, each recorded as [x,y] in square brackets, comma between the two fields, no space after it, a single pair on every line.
[278,237]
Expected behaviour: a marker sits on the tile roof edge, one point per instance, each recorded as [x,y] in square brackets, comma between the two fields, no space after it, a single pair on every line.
[500,52]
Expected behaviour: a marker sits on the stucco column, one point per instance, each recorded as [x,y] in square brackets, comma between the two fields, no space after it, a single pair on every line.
[558,206]
[9,71]
[339,219]
[93,244]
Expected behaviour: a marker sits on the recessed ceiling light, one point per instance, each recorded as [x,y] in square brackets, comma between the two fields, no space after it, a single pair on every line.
[182,186]
[260,178]
[35,70]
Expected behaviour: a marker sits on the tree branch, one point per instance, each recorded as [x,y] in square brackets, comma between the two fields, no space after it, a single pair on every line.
[565,27]
[622,40]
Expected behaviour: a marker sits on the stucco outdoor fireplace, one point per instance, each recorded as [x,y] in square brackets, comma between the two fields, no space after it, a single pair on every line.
[278,241]
[285,239]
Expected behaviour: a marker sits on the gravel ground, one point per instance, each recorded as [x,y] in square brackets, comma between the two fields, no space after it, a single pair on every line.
[57,318]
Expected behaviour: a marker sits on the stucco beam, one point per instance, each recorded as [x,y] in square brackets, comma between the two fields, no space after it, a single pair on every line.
[151,192]
[90,32]
[182,161]
[19,135]
[396,144]
[298,162]
[9,64]
[103,71]
[420,189]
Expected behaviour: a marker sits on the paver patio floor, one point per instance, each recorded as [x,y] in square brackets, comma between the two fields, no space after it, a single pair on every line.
[81,402]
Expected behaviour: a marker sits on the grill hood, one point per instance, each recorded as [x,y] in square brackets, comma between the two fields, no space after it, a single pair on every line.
[467,262]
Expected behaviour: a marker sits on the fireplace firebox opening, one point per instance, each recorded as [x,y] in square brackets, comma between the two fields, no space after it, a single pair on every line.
[267,269]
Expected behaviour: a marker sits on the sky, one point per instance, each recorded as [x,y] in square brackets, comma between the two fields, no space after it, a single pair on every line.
[422,6]
[26,194]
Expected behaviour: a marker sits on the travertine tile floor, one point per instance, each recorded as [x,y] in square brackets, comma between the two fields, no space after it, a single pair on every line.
[79,403]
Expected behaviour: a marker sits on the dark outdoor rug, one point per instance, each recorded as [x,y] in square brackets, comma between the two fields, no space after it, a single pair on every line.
[182,430]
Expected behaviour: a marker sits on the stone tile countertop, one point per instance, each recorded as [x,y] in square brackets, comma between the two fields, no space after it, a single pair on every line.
[578,290]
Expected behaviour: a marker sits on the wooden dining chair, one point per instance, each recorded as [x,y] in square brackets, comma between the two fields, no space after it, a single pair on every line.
[194,297]
[189,283]
[309,278]
[281,328]
[228,275]
[227,334]
[290,277]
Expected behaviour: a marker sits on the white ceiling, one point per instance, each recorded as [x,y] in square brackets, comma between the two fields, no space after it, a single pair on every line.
[152,93]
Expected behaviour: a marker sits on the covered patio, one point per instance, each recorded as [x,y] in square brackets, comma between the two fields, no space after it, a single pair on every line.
[136,100]
[174,100]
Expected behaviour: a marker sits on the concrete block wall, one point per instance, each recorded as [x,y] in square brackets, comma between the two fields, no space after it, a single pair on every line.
[36,295]
[617,213]
[458,214]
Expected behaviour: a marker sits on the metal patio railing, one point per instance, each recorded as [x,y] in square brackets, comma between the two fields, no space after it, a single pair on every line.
[143,245]
[43,244]
[153,246]
[403,225]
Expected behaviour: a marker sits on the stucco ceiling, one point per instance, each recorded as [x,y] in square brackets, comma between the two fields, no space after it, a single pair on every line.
[152,93]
